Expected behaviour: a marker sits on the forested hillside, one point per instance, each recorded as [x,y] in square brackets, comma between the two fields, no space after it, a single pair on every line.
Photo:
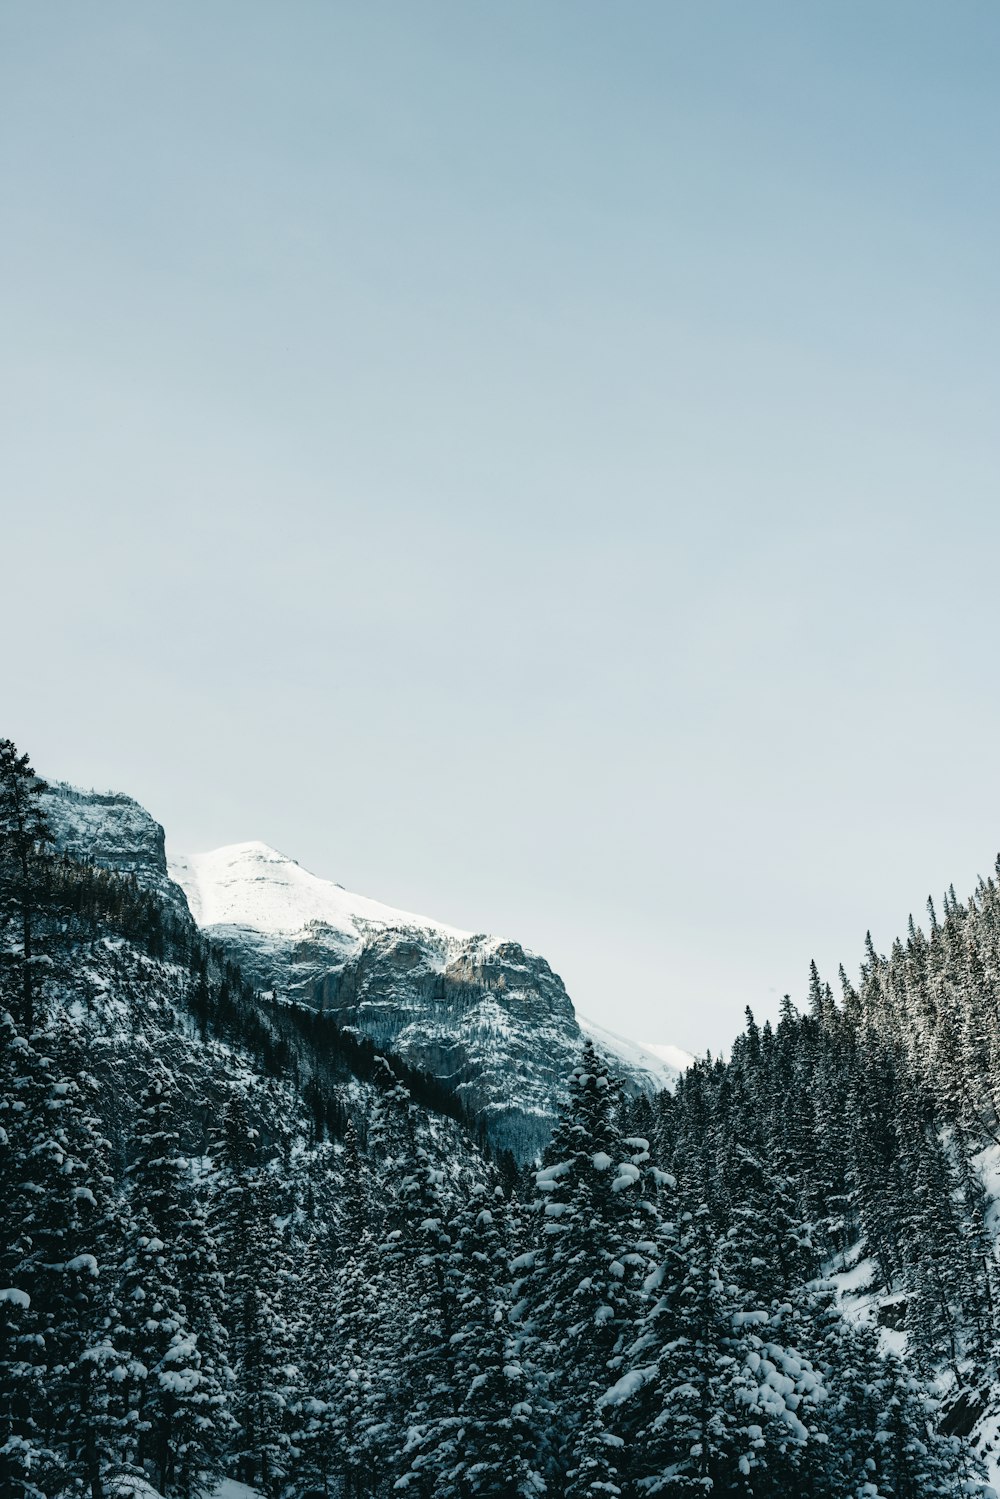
[231,1246]
[861,1141]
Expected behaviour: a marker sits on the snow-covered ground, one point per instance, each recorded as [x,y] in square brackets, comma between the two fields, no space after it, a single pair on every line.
[861,1299]
[124,1486]
[230,1488]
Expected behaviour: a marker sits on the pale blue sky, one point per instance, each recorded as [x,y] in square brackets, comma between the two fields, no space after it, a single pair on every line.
[535,464]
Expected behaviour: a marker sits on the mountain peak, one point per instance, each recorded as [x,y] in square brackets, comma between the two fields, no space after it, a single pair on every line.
[254,885]
[486,1015]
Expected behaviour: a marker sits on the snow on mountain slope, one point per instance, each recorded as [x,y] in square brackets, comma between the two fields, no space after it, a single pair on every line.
[662,1065]
[482,1014]
[485,1014]
[675,1057]
[252,885]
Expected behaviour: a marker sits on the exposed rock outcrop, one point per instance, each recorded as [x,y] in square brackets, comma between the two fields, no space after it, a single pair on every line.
[483,1015]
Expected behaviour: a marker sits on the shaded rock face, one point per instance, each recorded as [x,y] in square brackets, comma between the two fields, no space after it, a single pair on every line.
[113,831]
[484,1016]
[480,1014]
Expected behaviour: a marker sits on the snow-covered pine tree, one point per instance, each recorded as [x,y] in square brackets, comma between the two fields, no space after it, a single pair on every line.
[260,1289]
[582,1294]
[683,1443]
[314,1435]
[24,839]
[936,1267]
[202,1457]
[715,1398]
[362,1381]
[908,1456]
[359,1392]
[64,1236]
[22,1455]
[766,1246]
[420,1259]
[490,1454]
[170,1295]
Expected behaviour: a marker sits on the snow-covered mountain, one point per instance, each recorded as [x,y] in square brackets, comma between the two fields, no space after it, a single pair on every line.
[482,1014]
[675,1057]
[485,1014]
[251,885]
[660,1065]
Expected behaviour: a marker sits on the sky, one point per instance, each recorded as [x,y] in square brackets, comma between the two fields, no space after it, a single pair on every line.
[537,465]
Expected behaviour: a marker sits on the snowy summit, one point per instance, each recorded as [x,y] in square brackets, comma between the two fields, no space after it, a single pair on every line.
[253,885]
[463,1006]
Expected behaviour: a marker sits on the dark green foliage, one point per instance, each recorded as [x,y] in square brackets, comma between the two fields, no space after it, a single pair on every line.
[234,1239]
[24,837]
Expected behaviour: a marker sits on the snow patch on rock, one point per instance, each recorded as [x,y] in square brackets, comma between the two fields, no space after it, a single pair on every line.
[660,1066]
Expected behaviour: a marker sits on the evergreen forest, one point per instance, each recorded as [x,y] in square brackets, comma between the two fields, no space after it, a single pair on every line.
[237,1242]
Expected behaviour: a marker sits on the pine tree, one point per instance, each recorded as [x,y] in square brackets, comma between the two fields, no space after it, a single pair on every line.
[62,1237]
[677,1363]
[585,1278]
[201,1457]
[361,1380]
[315,1442]
[260,1287]
[358,1391]
[171,1287]
[420,1258]
[908,1456]
[487,1450]
[24,836]
[24,1459]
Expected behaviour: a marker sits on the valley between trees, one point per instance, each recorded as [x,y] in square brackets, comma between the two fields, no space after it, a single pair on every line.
[237,1244]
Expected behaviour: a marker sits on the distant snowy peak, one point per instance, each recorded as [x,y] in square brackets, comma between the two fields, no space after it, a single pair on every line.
[674,1056]
[252,885]
[482,1013]
[661,1066]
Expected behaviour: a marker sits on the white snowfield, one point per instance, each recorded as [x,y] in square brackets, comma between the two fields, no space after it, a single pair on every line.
[662,1064]
[674,1056]
[254,886]
[130,1486]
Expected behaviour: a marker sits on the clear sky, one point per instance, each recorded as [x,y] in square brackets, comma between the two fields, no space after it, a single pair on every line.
[535,464]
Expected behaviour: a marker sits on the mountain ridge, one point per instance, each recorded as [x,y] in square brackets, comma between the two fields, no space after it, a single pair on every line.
[486,1016]
[482,1011]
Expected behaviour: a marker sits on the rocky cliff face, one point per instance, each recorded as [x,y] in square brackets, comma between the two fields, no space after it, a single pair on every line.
[481,1014]
[114,831]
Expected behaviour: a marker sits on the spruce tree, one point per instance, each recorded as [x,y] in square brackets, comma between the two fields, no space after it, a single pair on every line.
[260,1290]
[585,1278]
[171,1295]
[63,1234]
[490,1452]
[24,837]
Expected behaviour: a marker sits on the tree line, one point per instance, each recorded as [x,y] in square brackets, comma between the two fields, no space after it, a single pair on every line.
[281,1265]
